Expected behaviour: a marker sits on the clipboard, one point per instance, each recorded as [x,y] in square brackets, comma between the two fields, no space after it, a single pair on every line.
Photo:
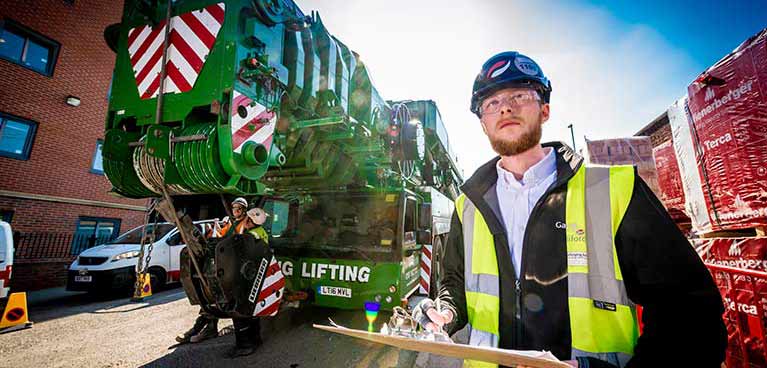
[529,358]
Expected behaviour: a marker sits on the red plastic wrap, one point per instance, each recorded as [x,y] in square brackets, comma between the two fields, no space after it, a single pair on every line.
[635,151]
[739,267]
[670,182]
[728,105]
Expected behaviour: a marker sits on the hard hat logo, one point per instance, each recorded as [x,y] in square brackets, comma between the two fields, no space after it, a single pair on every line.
[526,65]
[498,69]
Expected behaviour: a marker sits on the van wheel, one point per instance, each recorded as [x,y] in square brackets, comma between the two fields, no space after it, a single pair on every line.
[157,279]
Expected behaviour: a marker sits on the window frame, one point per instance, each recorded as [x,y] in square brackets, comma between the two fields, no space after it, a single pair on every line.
[116,221]
[176,233]
[408,238]
[414,220]
[93,170]
[269,224]
[77,248]
[171,237]
[6,215]
[24,156]
[53,46]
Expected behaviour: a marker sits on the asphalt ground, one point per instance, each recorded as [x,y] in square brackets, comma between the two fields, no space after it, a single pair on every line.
[81,330]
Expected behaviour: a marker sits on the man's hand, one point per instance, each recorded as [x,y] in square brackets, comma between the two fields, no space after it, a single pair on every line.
[430,316]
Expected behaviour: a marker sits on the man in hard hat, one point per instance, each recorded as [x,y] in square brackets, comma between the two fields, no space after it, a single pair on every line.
[254,221]
[547,253]
[247,331]
[237,226]
[206,325]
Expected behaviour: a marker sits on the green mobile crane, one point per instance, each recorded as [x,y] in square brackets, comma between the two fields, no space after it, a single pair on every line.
[257,99]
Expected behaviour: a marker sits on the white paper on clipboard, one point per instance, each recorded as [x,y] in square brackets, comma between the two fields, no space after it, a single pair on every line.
[529,358]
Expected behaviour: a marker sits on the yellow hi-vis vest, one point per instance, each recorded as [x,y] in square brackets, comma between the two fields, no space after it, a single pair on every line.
[603,321]
[259,233]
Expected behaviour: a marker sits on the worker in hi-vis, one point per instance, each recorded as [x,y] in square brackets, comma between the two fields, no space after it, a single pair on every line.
[206,325]
[548,253]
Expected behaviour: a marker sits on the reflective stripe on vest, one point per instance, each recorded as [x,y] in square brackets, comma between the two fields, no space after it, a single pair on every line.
[481,279]
[603,321]
[602,318]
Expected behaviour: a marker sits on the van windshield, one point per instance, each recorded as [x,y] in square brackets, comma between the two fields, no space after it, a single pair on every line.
[134,236]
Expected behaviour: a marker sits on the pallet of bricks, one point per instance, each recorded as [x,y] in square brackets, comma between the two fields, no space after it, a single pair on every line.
[657,168]
[718,155]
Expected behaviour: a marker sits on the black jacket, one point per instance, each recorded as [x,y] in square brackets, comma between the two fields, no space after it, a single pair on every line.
[682,315]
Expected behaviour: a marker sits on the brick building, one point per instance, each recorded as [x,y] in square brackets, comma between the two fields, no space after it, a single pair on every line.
[55,72]
[659,130]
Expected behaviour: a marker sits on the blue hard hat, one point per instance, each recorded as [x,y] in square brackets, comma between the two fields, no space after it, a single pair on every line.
[508,69]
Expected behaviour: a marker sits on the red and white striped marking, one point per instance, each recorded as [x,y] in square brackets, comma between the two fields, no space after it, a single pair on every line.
[425,269]
[257,125]
[5,280]
[272,289]
[191,37]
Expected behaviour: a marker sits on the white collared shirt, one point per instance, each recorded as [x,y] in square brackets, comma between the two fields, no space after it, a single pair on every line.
[516,199]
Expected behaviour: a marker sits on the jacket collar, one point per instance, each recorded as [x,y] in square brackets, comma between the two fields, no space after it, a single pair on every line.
[533,176]
[486,176]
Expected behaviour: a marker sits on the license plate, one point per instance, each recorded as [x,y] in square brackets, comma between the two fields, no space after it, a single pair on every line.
[336,291]
[83,278]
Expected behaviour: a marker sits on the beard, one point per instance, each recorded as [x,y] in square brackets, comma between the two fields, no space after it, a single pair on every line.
[511,147]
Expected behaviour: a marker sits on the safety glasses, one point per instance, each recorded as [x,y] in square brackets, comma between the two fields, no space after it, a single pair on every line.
[493,104]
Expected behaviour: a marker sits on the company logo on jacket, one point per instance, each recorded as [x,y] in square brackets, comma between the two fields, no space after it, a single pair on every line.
[574,232]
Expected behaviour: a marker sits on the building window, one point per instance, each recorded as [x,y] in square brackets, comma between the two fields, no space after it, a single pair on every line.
[16,136]
[23,46]
[97,165]
[6,215]
[93,231]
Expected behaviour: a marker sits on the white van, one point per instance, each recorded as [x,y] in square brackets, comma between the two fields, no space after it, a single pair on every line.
[113,265]
[6,258]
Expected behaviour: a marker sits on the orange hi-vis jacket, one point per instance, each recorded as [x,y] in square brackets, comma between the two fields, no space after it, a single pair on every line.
[239,228]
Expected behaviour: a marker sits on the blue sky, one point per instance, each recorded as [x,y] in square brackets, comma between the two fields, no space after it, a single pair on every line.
[705,29]
[615,65]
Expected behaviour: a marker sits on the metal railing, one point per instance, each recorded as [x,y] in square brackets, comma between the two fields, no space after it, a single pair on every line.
[745,319]
[54,245]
